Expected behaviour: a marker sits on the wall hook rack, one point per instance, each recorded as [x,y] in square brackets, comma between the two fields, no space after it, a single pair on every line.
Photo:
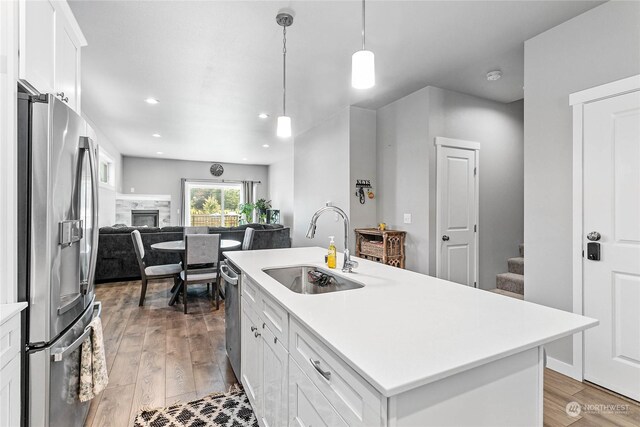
[361,185]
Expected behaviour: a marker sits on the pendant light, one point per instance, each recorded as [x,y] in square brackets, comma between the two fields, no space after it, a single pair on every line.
[284,122]
[363,70]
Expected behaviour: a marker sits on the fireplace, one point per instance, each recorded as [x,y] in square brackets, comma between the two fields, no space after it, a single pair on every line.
[141,218]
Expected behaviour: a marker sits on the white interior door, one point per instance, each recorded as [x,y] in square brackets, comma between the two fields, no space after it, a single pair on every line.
[611,285]
[457,213]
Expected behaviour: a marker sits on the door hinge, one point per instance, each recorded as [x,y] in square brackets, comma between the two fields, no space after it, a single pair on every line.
[583,253]
[475,228]
[475,171]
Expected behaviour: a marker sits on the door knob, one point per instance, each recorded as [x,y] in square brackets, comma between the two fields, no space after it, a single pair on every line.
[594,236]
[445,238]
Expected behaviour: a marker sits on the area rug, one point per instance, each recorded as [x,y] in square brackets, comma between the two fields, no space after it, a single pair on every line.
[216,410]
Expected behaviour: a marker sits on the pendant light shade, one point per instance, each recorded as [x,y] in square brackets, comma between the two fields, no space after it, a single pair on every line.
[284,127]
[363,70]
[363,64]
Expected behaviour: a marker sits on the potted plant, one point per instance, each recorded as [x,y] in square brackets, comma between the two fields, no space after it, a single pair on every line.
[246,212]
[262,205]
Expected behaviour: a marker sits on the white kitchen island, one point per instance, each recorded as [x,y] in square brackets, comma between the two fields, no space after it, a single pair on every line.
[404,350]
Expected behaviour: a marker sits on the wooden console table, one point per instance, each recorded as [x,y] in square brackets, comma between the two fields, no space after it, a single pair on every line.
[386,247]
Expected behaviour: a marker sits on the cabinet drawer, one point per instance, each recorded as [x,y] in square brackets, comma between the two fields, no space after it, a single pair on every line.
[307,406]
[354,398]
[275,318]
[250,292]
[9,340]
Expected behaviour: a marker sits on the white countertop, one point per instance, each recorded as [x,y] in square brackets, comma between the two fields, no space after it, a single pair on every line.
[7,311]
[404,329]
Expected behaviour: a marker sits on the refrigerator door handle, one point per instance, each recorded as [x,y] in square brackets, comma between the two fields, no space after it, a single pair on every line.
[87,144]
[59,356]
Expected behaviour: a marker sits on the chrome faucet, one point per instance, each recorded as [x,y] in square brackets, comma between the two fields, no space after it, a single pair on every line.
[348,265]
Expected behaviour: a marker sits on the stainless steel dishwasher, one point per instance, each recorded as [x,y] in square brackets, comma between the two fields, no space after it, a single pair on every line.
[232,277]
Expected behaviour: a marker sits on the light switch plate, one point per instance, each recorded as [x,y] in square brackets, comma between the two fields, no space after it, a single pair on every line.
[407,218]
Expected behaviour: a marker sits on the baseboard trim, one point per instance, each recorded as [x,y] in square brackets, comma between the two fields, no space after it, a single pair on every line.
[564,368]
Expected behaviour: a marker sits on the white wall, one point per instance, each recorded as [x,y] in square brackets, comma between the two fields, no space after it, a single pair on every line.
[163,176]
[597,47]
[107,194]
[406,172]
[327,160]
[281,187]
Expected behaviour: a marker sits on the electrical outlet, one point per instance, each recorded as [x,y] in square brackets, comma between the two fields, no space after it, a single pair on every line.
[407,218]
[133,190]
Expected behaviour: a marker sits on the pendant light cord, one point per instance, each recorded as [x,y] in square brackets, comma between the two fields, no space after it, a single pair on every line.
[284,70]
[363,25]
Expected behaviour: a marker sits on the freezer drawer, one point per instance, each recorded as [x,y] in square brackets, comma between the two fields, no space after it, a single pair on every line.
[54,375]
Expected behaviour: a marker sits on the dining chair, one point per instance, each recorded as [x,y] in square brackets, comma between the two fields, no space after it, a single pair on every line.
[195,230]
[152,272]
[201,263]
[247,241]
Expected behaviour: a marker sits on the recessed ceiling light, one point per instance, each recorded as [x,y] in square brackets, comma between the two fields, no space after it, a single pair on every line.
[159,152]
[263,115]
[152,101]
[492,76]
[156,135]
[265,145]
[244,158]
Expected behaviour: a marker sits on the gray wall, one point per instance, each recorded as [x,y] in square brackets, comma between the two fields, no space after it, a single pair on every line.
[406,131]
[327,160]
[499,129]
[162,176]
[597,47]
[403,177]
[281,187]
[321,173]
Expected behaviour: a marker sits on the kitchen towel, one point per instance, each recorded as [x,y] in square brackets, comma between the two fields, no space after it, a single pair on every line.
[93,364]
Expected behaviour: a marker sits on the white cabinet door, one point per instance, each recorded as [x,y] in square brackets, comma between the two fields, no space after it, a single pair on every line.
[251,359]
[37,44]
[10,394]
[307,406]
[274,380]
[67,64]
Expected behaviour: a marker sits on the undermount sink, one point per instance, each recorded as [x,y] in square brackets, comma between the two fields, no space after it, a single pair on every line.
[298,280]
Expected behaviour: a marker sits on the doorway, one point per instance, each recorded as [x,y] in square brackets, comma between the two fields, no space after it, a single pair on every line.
[457,203]
[607,232]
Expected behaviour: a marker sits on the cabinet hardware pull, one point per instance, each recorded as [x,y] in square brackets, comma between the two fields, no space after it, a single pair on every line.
[257,334]
[275,340]
[263,325]
[253,329]
[316,364]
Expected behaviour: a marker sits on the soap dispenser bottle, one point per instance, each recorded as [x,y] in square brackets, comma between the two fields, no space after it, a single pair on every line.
[331,257]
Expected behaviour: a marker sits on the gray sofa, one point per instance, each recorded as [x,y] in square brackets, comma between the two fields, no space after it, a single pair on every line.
[117,259]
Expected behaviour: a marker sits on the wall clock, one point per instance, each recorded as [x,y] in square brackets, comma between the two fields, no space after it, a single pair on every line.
[216,169]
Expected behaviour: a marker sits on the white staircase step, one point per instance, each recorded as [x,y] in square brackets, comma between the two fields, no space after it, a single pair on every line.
[510,282]
[516,265]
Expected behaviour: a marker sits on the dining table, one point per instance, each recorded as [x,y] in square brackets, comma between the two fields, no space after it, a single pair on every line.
[178,246]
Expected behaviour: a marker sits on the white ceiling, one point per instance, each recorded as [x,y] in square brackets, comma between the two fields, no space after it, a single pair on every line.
[214,65]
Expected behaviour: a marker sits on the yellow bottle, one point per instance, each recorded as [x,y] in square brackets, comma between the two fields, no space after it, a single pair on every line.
[331,258]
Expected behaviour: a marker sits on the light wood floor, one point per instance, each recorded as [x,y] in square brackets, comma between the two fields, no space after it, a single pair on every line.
[156,356]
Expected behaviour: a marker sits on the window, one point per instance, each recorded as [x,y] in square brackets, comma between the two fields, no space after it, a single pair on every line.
[106,173]
[212,204]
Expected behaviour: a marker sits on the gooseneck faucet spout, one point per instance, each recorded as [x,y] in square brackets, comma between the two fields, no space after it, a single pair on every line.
[347,265]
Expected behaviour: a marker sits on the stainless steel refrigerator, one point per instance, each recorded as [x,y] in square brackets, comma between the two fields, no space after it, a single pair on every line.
[58,236]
